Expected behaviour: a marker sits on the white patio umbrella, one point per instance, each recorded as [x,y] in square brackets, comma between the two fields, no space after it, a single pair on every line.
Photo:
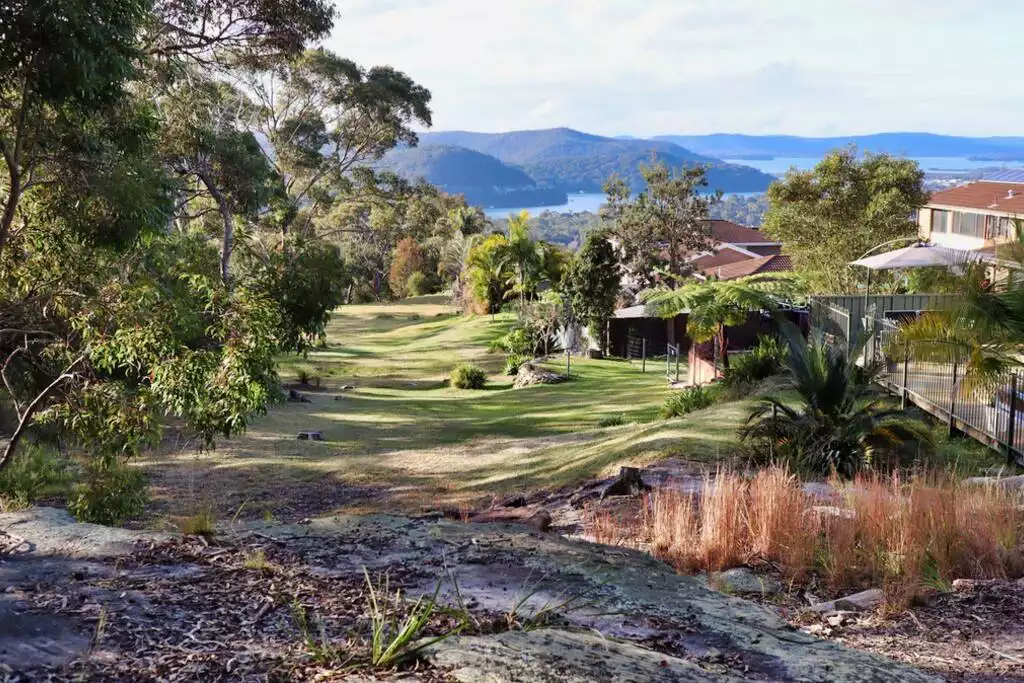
[920,255]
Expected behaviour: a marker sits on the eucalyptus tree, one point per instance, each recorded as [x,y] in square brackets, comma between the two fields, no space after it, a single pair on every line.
[664,225]
[109,322]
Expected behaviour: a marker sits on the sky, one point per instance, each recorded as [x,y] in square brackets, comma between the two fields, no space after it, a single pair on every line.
[621,67]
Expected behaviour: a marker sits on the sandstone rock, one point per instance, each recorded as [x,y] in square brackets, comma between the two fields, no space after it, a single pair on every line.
[553,655]
[744,581]
[823,512]
[530,374]
[629,483]
[969,585]
[857,602]
[51,531]
[538,519]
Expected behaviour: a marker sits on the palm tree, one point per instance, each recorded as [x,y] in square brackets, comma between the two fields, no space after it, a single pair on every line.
[838,423]
[525,256]
[983,327]
[715,305]
[452,259]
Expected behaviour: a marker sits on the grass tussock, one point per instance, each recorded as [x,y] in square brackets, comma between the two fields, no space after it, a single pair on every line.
[904,534]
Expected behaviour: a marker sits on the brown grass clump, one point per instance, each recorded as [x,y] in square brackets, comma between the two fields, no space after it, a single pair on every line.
[903,534]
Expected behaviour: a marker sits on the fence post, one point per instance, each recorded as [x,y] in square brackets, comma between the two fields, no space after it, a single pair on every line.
[1011,429]
[668,361]
[952,401]
[678,353]
[643,354]
[906,377]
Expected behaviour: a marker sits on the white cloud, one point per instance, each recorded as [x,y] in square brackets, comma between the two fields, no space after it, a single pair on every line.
[614,66]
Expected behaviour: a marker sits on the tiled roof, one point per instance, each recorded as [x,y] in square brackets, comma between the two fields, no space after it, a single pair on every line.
[734,233]
[776,263]
[983,196]
[722,257]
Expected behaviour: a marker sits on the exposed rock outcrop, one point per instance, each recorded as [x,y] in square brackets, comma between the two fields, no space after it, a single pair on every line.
[530,374]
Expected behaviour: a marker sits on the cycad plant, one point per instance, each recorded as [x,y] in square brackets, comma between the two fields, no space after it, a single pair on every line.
[838,423]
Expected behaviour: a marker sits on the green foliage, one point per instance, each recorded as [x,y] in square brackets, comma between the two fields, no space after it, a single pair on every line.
[592,283]
[306,281]
[110,493]
[612,421]
[845,206]
[664,224]
[515,342]
[489,272]
[468,376]
[716,305]
[688,400]
[765,360]
[839,423]
[392,638]
[419,284]
[513,362]
[38,472]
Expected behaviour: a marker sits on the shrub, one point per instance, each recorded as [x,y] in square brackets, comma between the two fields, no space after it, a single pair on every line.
[407,261]
[513,362]
[110,493]
[419,284]
[906,535]
[468,376]
[765,360]
[516,342]
[202,523]
[688,400]
[612,421]
[36,472]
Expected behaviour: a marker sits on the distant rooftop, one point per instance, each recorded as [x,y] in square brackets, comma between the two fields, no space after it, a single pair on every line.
[986,195]
[776,263]
[734,233]
[1009,175]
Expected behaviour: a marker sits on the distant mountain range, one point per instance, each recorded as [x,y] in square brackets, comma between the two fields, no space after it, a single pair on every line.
[734,146]
[539,167]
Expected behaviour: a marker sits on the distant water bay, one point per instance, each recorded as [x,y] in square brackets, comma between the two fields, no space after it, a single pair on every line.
[577,203]
[780,165]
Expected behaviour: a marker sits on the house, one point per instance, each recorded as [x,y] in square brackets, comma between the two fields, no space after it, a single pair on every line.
[977,216]
[739,251]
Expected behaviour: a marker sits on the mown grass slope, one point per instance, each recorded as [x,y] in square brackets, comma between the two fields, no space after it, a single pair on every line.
[400,438]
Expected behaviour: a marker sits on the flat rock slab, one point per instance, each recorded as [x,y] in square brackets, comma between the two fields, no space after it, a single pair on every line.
[52,531]
[548,655]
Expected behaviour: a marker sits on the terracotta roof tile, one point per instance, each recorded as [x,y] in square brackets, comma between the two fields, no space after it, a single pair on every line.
[734,233]
[722,257]
[776,263]
[983,196]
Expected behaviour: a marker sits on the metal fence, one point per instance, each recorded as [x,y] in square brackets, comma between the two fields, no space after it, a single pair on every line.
[672,362]
[936,381]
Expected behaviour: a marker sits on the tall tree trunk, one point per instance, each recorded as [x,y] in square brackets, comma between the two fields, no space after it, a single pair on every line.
[723,344]
[228,219]
[10,207]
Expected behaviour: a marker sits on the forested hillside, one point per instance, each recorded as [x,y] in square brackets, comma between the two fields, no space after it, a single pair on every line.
[574,161]
[482,179]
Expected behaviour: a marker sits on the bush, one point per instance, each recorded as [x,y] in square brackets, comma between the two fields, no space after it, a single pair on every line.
[34,473]
[419,284]
[516,342]
[688,400]
[612,421]
[110,493]
[513,362]
[765,360]
[468,376]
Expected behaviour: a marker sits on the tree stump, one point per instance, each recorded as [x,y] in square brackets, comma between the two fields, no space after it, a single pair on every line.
[629,483]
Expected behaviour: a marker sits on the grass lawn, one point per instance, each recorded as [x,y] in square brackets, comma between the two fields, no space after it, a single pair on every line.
[402,439]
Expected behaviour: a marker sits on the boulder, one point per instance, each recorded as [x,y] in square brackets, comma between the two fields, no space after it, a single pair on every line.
[530,374]
[629,483]
[538,519]
[743,581]
[823,512]
[858,602]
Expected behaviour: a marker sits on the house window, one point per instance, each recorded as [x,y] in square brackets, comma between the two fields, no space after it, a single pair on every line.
[940,221]
[970,224]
